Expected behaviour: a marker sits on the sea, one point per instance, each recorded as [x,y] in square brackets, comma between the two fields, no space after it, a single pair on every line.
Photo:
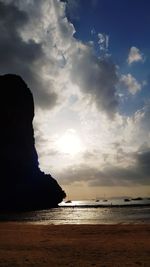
[116,211]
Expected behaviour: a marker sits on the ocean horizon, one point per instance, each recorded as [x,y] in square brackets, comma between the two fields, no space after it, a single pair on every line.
[114,211]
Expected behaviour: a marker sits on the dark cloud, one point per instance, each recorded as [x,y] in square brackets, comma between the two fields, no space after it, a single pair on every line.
[143,160]
[22,57]
[14,51]
[135,174]
[96,78]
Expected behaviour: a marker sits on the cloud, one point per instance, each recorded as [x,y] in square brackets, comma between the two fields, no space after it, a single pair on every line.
[37,42]
[76,89]
[135,55]
[96,78]
[103,41]
[129,82]
[135,174]
[118,155]
[24,57]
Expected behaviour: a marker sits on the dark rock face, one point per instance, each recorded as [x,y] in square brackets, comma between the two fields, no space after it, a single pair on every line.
[22,185]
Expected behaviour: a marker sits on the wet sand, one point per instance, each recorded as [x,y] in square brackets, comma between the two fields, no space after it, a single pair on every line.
[74,245]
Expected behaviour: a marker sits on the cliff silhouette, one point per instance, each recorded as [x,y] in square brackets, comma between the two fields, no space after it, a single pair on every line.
[23,186]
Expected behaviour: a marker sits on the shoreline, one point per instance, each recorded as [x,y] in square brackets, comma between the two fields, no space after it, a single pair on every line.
[112,245]
[106,206]
[72,205]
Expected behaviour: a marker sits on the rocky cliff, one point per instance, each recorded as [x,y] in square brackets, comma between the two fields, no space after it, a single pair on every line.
[22,184]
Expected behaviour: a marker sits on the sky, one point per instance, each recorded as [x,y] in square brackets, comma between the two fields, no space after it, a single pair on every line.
[87,65]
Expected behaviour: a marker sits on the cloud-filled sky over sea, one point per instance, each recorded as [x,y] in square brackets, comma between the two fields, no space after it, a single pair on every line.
[87,65]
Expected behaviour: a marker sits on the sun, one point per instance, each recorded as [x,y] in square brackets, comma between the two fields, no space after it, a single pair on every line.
[69,143]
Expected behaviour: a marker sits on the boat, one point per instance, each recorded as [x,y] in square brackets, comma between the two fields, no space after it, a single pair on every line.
[126,200]
[68,201]
[137,199]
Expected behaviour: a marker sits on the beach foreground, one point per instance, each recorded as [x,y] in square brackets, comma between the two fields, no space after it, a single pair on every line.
[74,245]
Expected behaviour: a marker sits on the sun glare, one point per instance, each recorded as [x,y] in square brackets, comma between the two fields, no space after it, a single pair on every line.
[69,143]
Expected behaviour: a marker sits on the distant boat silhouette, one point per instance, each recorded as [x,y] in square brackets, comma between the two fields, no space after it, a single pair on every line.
[68,201]
[126,200]
[137,199]
[105,200]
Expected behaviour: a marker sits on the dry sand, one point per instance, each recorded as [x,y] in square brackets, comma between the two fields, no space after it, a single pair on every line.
[74,245]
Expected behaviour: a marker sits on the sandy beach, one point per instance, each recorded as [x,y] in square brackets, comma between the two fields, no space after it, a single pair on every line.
[74,245]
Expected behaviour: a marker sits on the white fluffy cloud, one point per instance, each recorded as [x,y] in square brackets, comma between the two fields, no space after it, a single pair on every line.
[129,82]
[103,41]
[135,55]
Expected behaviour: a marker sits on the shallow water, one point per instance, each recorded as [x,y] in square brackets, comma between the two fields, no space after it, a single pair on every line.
[83,213]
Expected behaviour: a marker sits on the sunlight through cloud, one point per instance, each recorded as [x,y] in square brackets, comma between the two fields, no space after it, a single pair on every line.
[70,143]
